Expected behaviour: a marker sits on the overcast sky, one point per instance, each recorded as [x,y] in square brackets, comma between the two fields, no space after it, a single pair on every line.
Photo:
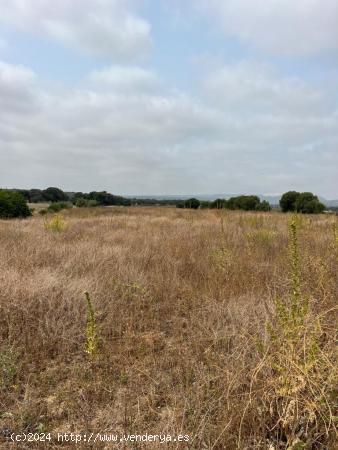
[170,96]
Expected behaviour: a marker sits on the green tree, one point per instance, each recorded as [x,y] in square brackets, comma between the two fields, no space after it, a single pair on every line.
[264,206]
[288,201]
[54,194]
[309,203]
[192,203]
[205,204]
[13,204]
[219,203]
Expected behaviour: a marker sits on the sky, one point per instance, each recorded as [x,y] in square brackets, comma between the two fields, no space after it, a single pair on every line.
[161,97]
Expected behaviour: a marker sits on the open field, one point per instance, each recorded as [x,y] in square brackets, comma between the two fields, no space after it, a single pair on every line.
[205,327]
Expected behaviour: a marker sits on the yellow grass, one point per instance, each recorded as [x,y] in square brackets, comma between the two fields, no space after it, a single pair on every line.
[188,338]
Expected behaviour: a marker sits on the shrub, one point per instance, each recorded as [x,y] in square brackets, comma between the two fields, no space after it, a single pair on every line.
[85,203]
[13,204]
[58,206]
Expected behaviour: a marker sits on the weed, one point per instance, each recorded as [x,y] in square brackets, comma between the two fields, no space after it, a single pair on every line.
[8,366]
[221,258]
[261,237]
[301,375]
[56,224]
[91,335]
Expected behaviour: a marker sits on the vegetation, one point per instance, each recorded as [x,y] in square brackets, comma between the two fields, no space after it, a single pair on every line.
[302,202]
[12,205]
[58,206]
[91,341]
[56,224]
[292,201]
[81,202]
[223,327]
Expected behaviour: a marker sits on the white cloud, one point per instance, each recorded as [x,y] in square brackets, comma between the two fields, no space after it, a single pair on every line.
[125,78]
[103,28]
[16,89]
[278,27]
[252,87]
[165,141]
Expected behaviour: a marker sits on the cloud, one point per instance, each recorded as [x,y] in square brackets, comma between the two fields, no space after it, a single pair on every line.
[253,87]
[125,78]
[16,89]
[137,140]
[278,27]
[102,28]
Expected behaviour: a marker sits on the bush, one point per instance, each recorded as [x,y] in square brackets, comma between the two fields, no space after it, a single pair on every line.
[58,206]
[13,204]
[84,203]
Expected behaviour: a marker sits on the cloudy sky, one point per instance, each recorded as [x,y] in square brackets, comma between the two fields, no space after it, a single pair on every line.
[170,96]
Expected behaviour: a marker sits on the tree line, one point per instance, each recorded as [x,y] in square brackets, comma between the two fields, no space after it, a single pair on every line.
[243,202]
[291,201]
[13,202]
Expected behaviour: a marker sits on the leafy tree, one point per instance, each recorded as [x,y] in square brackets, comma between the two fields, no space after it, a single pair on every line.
[36,196]
[219,203]
[309,204]
[54,194]
[192,203]
[244,202]
[288,201]
[205,204]
[264,206]
[106,199]
[13,204]
[302,202]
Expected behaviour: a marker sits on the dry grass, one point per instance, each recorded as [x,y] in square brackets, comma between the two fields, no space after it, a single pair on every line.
[185,316]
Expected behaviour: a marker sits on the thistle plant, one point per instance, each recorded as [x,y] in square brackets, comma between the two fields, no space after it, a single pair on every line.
[91,335]
[56,224]
[301,379]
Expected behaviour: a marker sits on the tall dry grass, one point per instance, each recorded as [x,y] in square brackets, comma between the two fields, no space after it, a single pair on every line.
[189,337]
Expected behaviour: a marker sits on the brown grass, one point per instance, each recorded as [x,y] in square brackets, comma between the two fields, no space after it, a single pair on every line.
[184,305]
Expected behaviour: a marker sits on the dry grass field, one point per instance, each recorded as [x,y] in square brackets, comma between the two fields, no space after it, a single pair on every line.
[220,326]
